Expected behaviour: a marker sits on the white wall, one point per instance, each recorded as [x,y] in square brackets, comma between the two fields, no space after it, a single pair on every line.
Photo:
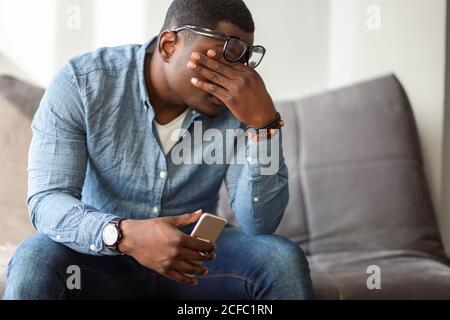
[296,36]
[410,43]
[27,37]
[119,22]
[75,30]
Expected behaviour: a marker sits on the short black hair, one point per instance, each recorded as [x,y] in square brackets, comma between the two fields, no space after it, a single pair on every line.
[208,14]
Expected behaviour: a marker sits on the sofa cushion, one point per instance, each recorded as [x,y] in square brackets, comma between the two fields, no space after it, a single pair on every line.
[18,102]
[362,173]
[15,138]
[23,95]
[403,275]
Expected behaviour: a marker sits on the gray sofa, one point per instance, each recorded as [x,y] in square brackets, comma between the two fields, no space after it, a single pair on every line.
[18,102]
[359,197]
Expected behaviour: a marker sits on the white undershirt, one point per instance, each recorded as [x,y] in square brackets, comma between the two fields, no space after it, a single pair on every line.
[165,132]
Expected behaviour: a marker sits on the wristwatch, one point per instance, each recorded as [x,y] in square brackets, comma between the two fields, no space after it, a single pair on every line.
[112,234]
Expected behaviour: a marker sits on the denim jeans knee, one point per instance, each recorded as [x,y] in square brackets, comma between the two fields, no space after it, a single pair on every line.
[34,270]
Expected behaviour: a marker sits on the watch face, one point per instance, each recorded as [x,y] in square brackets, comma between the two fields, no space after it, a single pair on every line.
[110,235]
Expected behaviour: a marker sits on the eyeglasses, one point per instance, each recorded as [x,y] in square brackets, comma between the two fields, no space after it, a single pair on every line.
[235,49]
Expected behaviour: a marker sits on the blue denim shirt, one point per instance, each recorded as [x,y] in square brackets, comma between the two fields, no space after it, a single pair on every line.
[96,155]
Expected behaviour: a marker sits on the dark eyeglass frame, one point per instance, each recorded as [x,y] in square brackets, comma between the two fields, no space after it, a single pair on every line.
[216,35]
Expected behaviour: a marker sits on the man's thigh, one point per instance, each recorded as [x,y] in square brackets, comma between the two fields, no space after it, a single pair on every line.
[43,269]
[232,275]
[245,268]
[119,277]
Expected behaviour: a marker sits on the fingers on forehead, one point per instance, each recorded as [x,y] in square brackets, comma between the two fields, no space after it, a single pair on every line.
[211,63]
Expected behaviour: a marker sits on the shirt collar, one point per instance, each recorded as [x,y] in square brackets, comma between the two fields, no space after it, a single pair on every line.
[147,48]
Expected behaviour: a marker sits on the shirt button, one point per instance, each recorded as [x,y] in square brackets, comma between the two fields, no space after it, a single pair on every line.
[249,159]
[155,209]
[58,237]
[163,174]
[93,247]
[255,199]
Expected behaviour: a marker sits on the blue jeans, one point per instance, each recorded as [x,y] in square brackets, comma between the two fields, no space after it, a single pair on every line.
[264,267]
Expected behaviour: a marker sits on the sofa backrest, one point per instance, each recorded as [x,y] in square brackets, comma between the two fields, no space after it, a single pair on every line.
[356,174]
[15,138]
[18,102]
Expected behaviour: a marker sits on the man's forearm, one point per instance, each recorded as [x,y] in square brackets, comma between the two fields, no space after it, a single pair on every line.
[64,218]
[262,192]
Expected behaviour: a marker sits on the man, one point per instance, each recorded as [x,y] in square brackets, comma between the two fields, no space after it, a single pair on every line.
[110,201]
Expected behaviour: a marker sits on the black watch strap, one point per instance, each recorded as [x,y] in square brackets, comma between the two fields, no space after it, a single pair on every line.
[274,124]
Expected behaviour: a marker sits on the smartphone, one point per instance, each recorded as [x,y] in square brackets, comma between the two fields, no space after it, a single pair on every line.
[209,227]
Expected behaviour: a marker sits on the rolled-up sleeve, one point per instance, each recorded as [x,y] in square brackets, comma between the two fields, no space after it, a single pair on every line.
[57,164]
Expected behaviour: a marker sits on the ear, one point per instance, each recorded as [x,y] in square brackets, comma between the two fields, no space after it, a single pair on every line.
[167,42]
